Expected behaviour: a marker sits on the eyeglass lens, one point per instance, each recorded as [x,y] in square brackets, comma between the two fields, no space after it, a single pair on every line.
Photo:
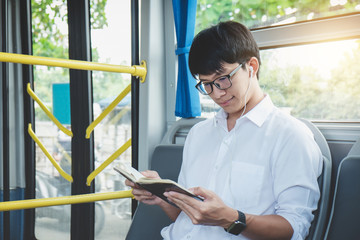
[221,83]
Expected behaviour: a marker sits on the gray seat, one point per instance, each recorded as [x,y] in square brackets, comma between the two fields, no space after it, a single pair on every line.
[319,223]
[343,222]
[149,220]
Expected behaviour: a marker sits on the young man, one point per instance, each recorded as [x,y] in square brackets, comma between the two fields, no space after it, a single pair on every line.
[255,167]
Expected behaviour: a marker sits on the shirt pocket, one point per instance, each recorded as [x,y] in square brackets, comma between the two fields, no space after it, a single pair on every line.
[246,181]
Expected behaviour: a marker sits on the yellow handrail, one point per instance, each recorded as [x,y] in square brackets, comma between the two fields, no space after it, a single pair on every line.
[47,112]
[46,202]
[107,110]
[135,70]
[108,161]
[52,160]
[63,152]
[117,117]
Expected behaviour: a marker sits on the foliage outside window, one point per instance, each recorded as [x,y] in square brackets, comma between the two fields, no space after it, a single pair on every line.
[263,13]
[317,81]
[50,39]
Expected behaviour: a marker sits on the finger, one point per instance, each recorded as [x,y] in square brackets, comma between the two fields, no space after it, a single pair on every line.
[129,183]
[189,210]
[204,193]
[183,201]
[184,198]
[150,174]
[140,191]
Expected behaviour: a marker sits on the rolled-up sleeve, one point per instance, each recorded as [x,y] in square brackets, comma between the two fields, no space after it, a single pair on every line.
[297,165]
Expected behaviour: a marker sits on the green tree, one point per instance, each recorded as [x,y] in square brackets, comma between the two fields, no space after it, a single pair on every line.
[344,87]
[309,95]
[49,24]
[258,13]
[50,39]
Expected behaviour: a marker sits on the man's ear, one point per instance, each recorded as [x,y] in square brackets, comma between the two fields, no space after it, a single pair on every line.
[254,64]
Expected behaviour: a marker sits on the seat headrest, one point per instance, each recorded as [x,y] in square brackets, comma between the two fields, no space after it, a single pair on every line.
[355,150]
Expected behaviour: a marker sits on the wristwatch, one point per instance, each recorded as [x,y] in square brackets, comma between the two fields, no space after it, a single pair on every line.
[238,226]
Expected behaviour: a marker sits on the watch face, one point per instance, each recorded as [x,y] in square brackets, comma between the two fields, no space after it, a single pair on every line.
[239,225]
[236,228]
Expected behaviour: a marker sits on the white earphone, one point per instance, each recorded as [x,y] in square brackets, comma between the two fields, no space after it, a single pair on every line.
[247,90]
[251,71]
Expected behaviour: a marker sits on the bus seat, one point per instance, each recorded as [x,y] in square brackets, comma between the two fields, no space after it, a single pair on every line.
[178,131]
[149,220]
[345,211]
[318,225]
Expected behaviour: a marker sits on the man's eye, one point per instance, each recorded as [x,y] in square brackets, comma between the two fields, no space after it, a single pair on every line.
[221,79]
[206,84]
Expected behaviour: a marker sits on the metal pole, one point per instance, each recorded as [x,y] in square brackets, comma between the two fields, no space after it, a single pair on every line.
[82,215]
[5,118]
[29,117]
[135,89]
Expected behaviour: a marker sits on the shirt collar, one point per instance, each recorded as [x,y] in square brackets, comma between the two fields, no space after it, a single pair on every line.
[261,111]
[257,115]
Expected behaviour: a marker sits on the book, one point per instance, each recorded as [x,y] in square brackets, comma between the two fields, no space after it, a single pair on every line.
[155,186]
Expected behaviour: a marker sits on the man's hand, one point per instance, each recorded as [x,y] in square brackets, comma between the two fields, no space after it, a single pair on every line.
[141,194]
[211,211]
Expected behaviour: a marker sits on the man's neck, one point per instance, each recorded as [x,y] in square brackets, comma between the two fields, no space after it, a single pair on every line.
[232,118]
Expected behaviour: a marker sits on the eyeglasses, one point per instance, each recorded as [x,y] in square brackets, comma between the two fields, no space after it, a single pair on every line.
[223,82]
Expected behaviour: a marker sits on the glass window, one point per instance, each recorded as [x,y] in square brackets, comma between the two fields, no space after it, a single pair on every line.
[51,85]
[317,81]
[255,14]
[111,43]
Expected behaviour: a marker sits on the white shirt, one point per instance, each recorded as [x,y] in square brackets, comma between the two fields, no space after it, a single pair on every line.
[267,164]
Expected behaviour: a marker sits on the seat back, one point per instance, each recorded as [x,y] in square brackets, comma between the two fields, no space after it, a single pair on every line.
[319,223]
[149,220]
[345,210]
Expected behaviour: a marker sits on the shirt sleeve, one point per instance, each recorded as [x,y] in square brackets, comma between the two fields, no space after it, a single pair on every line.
[185,157]
[297,163]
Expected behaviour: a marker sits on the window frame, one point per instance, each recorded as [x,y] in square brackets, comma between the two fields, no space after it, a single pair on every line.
[327,29]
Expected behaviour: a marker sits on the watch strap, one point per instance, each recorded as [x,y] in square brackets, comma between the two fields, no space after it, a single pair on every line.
[238,226]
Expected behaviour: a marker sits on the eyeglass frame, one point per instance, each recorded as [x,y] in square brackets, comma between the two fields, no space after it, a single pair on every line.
[228,76]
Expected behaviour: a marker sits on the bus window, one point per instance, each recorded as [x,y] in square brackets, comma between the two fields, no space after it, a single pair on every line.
[317,81]
[309,73]
[112,44]
[51,85]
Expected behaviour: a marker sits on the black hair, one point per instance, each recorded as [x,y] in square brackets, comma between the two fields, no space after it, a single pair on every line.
[226,42]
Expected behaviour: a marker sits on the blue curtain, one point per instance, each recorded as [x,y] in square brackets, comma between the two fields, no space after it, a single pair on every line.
[187,97]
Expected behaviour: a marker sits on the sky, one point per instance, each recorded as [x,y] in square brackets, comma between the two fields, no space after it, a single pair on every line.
[114,41]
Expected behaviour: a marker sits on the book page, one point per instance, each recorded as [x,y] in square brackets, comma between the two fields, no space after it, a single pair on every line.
[129,172]
[137,175]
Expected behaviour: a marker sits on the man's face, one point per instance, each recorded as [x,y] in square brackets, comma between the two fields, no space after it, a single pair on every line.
[232,99]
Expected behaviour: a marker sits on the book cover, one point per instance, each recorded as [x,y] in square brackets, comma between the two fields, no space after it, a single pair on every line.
[155,186]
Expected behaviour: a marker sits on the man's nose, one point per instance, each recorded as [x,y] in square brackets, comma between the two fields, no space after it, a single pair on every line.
[217,93]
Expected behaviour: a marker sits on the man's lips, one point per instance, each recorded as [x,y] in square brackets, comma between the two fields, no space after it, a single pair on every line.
[225,103]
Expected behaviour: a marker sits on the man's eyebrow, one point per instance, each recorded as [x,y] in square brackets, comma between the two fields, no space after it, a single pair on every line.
[218,73]
[205,80]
